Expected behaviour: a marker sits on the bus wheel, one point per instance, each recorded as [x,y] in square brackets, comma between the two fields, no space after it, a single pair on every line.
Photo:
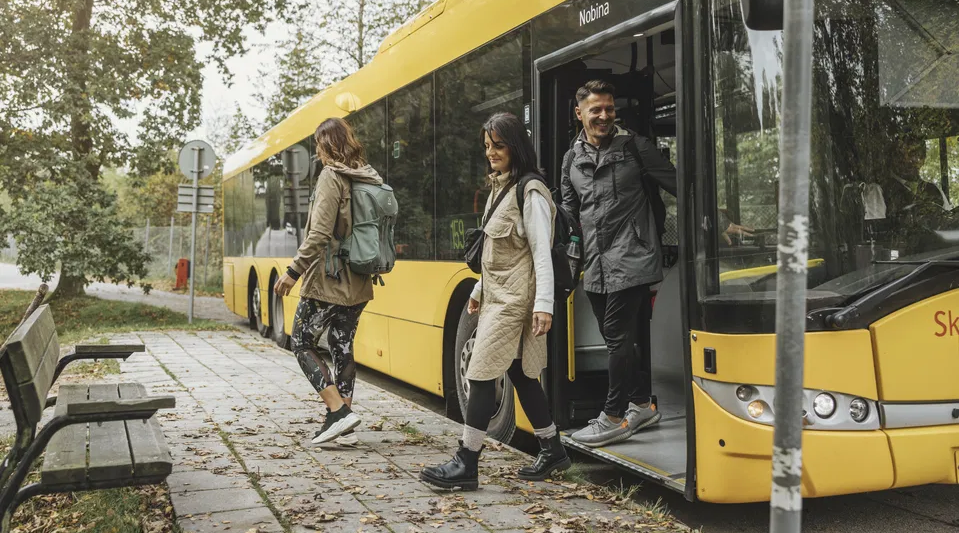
[277,320]
[255,309]
[503,424]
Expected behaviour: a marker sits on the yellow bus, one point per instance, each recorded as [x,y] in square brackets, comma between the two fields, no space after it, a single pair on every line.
[882,357]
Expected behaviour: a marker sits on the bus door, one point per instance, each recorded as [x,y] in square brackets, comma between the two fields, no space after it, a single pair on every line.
[641,63]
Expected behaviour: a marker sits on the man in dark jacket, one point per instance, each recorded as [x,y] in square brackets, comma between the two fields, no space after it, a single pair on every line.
[616,199]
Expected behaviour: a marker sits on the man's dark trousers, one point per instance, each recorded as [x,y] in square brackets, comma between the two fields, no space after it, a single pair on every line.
[623,318]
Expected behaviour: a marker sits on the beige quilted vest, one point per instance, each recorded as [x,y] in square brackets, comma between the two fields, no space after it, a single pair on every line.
[505,329]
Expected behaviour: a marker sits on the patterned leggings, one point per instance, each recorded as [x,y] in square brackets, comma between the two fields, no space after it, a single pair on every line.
[313,318]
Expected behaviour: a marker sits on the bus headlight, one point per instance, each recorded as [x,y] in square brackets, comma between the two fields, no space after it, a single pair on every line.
[756,408]
[745,392]
[858,410]
[824,405]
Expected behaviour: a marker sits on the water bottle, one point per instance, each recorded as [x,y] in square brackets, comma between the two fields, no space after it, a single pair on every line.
[574,252]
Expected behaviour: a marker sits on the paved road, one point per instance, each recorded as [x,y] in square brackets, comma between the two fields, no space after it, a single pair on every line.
[203,306]
[931,509]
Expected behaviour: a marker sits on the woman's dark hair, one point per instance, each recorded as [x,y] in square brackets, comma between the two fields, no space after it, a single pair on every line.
[336,142]
[514,135]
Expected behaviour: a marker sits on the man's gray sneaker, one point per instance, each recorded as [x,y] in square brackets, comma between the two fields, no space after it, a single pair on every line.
[602,431]
[640,418]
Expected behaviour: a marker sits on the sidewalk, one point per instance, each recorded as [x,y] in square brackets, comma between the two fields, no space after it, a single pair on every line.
[244,462]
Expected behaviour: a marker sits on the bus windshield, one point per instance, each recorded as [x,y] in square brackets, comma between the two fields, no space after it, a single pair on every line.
[884,181]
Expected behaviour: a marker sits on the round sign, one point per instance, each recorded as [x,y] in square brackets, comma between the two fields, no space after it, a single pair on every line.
[296,162]
[192,166]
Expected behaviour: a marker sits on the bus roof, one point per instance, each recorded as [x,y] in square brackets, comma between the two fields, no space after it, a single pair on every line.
[442,32]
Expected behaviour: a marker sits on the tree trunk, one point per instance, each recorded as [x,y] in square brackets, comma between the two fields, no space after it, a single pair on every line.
[70,285]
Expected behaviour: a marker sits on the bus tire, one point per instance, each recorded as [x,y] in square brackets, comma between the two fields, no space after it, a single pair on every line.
[255,307]
[278,320]
[503,424]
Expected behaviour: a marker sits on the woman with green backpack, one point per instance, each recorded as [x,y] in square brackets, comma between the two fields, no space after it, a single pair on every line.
[331,297]
[514,300]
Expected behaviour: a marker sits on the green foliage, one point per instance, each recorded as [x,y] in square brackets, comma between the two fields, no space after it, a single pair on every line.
[350,31]
[294,79]
[68,71]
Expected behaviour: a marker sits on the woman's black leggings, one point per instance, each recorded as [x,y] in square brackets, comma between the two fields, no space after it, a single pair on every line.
[482,401]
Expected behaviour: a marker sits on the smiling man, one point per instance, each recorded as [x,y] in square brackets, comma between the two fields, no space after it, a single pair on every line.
[611,182]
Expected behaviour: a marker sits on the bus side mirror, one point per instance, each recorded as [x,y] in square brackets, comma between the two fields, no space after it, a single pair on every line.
[763,15]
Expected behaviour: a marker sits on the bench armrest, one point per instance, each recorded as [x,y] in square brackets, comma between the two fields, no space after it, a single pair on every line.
[105,350]
[96,351]
[120,407]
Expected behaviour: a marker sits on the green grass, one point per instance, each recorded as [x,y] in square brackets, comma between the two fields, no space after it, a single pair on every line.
[89,317]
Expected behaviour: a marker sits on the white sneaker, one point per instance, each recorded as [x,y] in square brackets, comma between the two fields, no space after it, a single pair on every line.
[347,439]
[336,424]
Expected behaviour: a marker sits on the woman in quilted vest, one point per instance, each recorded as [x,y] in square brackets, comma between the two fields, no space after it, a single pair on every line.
[514,300]
[330,302]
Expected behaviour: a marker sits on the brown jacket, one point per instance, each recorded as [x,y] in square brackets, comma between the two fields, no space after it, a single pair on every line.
[329,221]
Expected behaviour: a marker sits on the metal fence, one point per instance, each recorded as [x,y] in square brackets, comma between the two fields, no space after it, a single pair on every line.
[8,250]
[169,243]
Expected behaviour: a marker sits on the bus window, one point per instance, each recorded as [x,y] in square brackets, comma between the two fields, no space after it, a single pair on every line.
[369,124]
[467,92]
[411,168]
[885,119]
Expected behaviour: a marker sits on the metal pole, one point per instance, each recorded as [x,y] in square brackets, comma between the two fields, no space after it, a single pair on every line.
[786,498]
[206,253]
[170,253]
[196,179]
[146,239]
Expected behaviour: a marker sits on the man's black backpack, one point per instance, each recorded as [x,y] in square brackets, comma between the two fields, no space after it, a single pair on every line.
[564,227]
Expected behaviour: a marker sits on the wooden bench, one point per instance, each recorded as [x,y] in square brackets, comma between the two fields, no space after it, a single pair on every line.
[101,435]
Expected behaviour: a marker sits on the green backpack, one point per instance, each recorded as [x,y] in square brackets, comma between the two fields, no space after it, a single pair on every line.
[369,249]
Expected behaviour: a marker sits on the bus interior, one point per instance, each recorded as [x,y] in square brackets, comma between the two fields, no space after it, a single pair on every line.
[643,70]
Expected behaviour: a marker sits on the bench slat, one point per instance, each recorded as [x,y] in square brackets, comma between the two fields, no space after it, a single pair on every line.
[34,392]
[29,342]
[109,446]
[151,455]
[65,460]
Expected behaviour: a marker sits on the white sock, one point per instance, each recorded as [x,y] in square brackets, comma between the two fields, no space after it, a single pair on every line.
[473,438]
[545,433]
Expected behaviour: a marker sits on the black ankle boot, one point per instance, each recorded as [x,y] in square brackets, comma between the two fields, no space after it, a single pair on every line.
[552,457]
[461,471]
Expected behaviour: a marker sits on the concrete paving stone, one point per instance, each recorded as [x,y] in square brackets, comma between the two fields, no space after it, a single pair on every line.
[197,480]
[412,510]
[260,519]
[318,482]
[367,471]
[492,493]
[278,467]
[388,489]
[429,526]
[403,448]
[266,439]
[333,454]
[501,516]
[205,434]
[335,501]
[214,501]
[290,453]
[415,463]
[181,424]
[351,523]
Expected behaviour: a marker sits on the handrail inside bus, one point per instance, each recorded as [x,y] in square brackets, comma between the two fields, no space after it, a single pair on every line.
[761,271]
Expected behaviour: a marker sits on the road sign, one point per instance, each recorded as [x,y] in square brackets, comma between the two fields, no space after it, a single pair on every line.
[193,166]
[296,163]
[204,199]
[197,160]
